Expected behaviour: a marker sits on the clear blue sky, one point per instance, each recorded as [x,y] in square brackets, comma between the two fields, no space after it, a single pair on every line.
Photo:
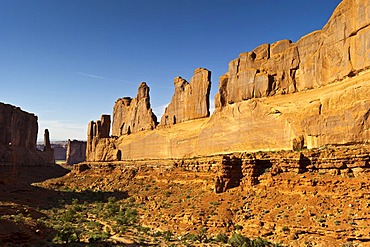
[67,61]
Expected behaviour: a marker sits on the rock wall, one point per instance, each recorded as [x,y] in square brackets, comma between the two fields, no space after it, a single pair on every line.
[133,115]
[320,87]
[18,137]
[336,114]
[76,152]
[190,100]
[340,49]
[18,128]
[97,136]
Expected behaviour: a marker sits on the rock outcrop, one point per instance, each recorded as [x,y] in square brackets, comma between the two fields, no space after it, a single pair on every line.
[190,100]
[133,115]
[98,141]
[76,152]
[18,128]
[47,145]
[340,49]
[320,87]
[18,138]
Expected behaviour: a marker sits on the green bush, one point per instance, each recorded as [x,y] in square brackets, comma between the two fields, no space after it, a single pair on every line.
[222,238]
[167,235]
[238,240]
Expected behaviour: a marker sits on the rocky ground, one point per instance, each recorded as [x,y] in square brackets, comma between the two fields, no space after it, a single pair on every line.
[168,206]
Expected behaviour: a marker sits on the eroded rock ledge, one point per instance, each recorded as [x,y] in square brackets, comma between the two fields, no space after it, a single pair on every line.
[244,169]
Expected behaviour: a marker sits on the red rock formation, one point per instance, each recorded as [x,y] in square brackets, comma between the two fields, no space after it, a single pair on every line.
[190,100]
[18,128]
[133,115]
[76,152]
[340,49]
[334,111]
[96,131]
[18,138]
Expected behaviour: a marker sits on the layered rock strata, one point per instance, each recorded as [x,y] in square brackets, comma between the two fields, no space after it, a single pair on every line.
[190,100]
[76,152]
[244,169]
[336,114]
[18,138]
[133,115]
[340,49]
[334,111]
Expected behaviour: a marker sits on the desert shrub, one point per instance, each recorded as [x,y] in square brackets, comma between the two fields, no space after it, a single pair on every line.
[238,240]
[259,242]
[97,236]
[167,235]
[238,227]
[66,233]
[222,238]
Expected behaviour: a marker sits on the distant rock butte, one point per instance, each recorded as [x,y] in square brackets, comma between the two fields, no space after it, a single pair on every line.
[18,138]
[76,152]
[190,100]
[279,96]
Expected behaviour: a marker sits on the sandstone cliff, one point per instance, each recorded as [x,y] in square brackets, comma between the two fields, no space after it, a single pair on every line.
[340,49]
[320,87]
[18,137]
[76,152]
[133,115]
[190,100]
[18,128]
[97,132]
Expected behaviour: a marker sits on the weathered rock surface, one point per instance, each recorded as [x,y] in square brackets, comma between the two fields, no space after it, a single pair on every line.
[335,114]
[340,49]
[76,152]
[18,128]
[133,115]
[18,138]
[99,146]
[190,100]
[334,111]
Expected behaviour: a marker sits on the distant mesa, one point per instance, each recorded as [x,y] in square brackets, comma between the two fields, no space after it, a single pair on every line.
[76,152]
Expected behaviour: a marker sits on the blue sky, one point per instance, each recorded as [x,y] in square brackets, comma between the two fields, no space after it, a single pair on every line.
[67,61]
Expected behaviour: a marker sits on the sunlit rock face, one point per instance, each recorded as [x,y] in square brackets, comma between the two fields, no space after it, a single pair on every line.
[284,95]
[133,115]
[190,100]
[340,49]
